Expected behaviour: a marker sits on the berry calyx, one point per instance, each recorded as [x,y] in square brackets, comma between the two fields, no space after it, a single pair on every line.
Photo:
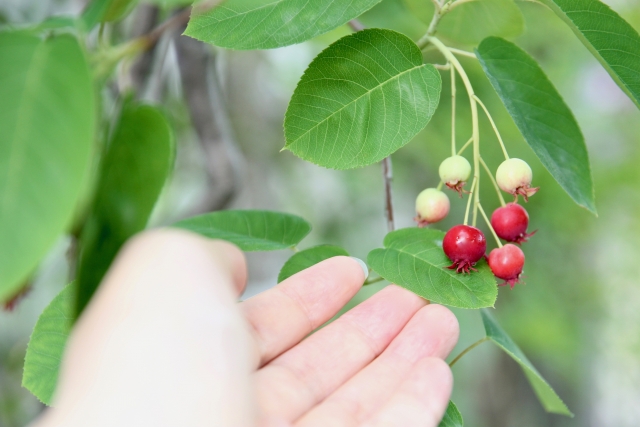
[506,263]
[464,245]
[431,206]
[514,176]
[510,223]
[454,172]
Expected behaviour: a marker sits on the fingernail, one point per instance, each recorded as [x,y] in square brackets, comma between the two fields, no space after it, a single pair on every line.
[363,265]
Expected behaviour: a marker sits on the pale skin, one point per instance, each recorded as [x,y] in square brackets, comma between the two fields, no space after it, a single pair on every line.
[164,342]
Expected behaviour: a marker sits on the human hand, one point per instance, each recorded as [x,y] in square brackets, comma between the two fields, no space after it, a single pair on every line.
[165,343]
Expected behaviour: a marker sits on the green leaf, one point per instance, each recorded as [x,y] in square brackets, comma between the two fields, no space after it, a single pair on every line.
[452,418]
[413,258]
[250,230]
[106,11]
[613,42]
[168,4]
[46,346]
[361,99]
[543,118]
[470,22]
[132,175]
[549,399]
[47,125]
[308,257]
[262,24]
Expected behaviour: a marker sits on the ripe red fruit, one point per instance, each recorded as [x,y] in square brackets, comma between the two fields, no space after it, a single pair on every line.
[510,223]
[506,263]
[464,245]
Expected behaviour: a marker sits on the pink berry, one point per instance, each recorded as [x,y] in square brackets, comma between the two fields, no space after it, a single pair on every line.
[506,263]
[432,205]
[514,176]
[510,223]
[464,245]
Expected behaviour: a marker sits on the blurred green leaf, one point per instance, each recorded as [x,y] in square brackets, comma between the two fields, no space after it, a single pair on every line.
[452,418]
[106,11]
[132,175]
[413,258]
[549,399]
[250,230]
[540,113]
[471,21]
[394,15]
[308,257]
[360,100]
[613,42]
[46,346]
[262,24]
[168,4]
[47,128]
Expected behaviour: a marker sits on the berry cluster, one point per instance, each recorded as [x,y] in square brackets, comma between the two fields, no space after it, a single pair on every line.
[465,245]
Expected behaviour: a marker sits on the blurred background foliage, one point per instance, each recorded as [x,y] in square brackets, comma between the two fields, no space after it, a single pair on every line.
[577,318]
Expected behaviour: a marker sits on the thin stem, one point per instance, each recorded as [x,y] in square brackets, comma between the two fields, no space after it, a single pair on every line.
[372,281]
[387,174]
[453,111]
[439,12]
[443,67]
[495,128]
[356,25]
[493,181]
[464,147]
[467,350]
[466,212]
[484,215]
[474,113]
[440,184]
[463,53]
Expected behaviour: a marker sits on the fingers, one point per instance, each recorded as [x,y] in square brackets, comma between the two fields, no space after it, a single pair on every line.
[282,316]
[300,378]
[421,399]
[432,332]
[163,342]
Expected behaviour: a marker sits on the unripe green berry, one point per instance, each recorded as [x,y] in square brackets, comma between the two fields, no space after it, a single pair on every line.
[432,205]
[454,169]
[514,176]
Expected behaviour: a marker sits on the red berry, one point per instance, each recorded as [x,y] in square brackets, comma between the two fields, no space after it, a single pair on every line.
[506,263]
[464,245]
[510,223]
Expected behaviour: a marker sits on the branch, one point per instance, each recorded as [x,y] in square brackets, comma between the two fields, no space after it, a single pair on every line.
[387,174]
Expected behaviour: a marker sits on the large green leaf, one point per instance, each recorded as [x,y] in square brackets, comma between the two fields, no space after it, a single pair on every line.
[47,125]
[250,230]
[614,42]
[452,418]
[361,99]
[549,399]
[266,24]
[543,118]
[471,21]
[308,257]
[413,258]
[132,174]
[46,346]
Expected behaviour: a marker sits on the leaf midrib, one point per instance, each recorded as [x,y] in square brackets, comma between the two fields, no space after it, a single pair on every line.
[351,102]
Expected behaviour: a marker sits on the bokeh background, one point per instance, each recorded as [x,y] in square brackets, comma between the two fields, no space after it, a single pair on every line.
[577,318]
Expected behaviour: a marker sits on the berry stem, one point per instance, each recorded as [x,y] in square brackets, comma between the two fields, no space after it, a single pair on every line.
[493,181]
[372,281]
[484,215]
[463,52]
[467,350]
[495,128]
[428,38]
[464,147]
[453,111]
[466,213]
